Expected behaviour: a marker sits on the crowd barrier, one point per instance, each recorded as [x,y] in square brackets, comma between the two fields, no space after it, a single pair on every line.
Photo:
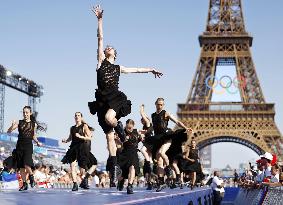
[263,196]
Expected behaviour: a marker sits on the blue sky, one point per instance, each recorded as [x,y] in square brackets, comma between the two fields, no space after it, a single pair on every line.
[54,43]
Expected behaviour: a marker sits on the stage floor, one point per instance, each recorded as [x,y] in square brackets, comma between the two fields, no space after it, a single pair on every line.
[92,196]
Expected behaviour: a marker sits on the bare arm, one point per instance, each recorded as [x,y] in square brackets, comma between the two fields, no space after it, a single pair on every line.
[144,116]
[35,137]
[100,54]
[13,126]
[68,139]
[177,122]
[141,70]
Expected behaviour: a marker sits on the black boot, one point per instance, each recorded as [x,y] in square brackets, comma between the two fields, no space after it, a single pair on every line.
[149,186]
[146,167]
[168,171]
[160,187]
[160,184]
[120,131]
[173,184]
[112,184]
[178,179]
[120,185]
[84,184]
[75,187]
[130,189]
[24,187]
[31,181]
[116,173]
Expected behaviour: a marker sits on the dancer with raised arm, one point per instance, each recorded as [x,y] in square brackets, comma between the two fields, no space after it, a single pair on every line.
[146,150]
[79,151]
[111,104]
[24,148]
[128,158]
[164,138]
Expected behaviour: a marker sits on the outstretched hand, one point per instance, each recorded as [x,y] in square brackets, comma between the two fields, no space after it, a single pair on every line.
[190,130]
[142,108]
[39,144]
[98,11]
[156,73]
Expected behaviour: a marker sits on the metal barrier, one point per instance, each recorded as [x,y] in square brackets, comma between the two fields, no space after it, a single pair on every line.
[263,196]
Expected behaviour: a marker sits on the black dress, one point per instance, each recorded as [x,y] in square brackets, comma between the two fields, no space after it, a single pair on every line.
[129,155]
[87,155]
[162,134]
[108,95]
[24,148]
[79,150]
[188,166]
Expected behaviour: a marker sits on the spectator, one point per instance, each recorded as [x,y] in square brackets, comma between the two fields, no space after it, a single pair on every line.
[260,173]
[266,162]
[236,177]
[275,171]
[217,187]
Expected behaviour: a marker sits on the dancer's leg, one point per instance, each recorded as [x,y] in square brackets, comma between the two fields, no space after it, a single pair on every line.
[145,153]
[74,175]
[111,145]
[110,118]
[74,171]
[131,178]
[162,151]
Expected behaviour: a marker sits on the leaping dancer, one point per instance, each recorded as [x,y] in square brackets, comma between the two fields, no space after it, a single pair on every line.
[111,104]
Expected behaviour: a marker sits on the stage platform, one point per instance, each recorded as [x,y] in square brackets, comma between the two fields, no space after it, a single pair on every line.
[105,196]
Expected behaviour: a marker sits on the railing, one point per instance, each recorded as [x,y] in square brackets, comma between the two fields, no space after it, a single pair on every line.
[237,107]
[263,196]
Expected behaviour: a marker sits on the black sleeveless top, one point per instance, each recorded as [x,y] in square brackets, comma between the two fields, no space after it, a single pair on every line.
[160,123]
[26,130]
[108,76]
[133,139]
[74,130]
[193,154]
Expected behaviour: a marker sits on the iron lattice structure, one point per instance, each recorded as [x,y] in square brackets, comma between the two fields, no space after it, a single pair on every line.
[249,122]
[21,84]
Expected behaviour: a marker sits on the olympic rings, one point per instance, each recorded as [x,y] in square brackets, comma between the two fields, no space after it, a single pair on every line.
[238,81]
[208,79]
[229,84]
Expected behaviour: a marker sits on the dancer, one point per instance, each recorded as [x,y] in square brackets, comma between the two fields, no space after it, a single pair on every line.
[128,158]
[24,149]
[111,104]
[79,151]
[163,140]
[146,150]
[189,164]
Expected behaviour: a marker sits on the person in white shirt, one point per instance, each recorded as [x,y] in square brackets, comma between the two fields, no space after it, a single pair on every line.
[218,189]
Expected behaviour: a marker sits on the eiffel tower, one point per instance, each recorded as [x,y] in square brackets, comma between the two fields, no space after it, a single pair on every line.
[250,120]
